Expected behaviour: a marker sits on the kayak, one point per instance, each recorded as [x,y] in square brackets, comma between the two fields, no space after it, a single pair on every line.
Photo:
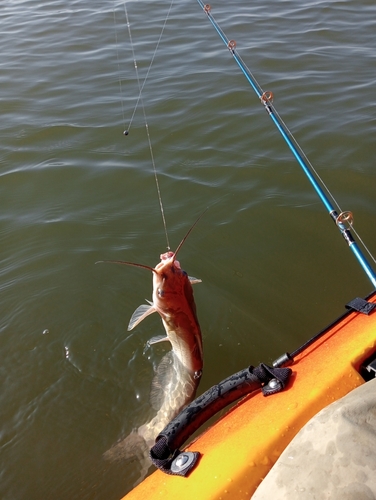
[238,451]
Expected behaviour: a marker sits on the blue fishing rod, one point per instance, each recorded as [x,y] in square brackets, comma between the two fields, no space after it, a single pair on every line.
[343,220]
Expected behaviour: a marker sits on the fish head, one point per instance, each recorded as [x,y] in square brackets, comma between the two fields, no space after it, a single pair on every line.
[169,281]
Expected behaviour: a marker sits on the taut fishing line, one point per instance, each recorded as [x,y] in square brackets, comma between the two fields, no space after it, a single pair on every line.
[347,217]
[316,181]
[118,66]
[151,62]
[140,101]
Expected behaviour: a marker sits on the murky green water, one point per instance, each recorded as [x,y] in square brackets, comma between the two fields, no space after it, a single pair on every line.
[74,190]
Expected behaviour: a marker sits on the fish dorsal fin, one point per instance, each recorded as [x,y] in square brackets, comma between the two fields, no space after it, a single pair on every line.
[164,374]
[140,313]
[194,280]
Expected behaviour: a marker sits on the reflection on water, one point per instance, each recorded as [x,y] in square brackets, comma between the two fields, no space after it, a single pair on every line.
[74,190]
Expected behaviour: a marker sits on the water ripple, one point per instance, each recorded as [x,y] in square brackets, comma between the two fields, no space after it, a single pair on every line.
[75,190]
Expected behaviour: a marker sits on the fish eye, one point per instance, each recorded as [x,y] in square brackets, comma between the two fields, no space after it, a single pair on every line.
[160,292]
[185,273]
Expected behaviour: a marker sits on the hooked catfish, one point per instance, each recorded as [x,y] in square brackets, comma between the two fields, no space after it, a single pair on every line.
[178,374]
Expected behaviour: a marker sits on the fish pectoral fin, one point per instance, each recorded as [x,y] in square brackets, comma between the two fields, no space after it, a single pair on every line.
[140,313]
[194,280]
[157,339]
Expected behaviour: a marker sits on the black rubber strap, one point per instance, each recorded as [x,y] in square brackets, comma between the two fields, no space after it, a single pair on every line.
[162,458]
[173,436]
[361,305]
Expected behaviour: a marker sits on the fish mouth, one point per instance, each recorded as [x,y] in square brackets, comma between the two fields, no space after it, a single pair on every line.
[167,258]
[167,255]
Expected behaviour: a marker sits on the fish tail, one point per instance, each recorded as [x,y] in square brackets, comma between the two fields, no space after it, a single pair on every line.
[133,447]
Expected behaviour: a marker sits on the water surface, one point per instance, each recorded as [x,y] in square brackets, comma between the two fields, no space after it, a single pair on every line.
[74,190]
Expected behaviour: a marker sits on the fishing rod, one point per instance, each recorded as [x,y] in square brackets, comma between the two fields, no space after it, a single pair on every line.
[266,99]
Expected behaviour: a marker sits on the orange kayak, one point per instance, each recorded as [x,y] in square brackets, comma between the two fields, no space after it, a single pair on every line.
[238,451]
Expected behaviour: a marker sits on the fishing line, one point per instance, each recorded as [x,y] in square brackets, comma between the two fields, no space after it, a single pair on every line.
[263,96]
[350,221]
[151,62]
[364,245]
[141,101]
[118,66]
[315,180]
